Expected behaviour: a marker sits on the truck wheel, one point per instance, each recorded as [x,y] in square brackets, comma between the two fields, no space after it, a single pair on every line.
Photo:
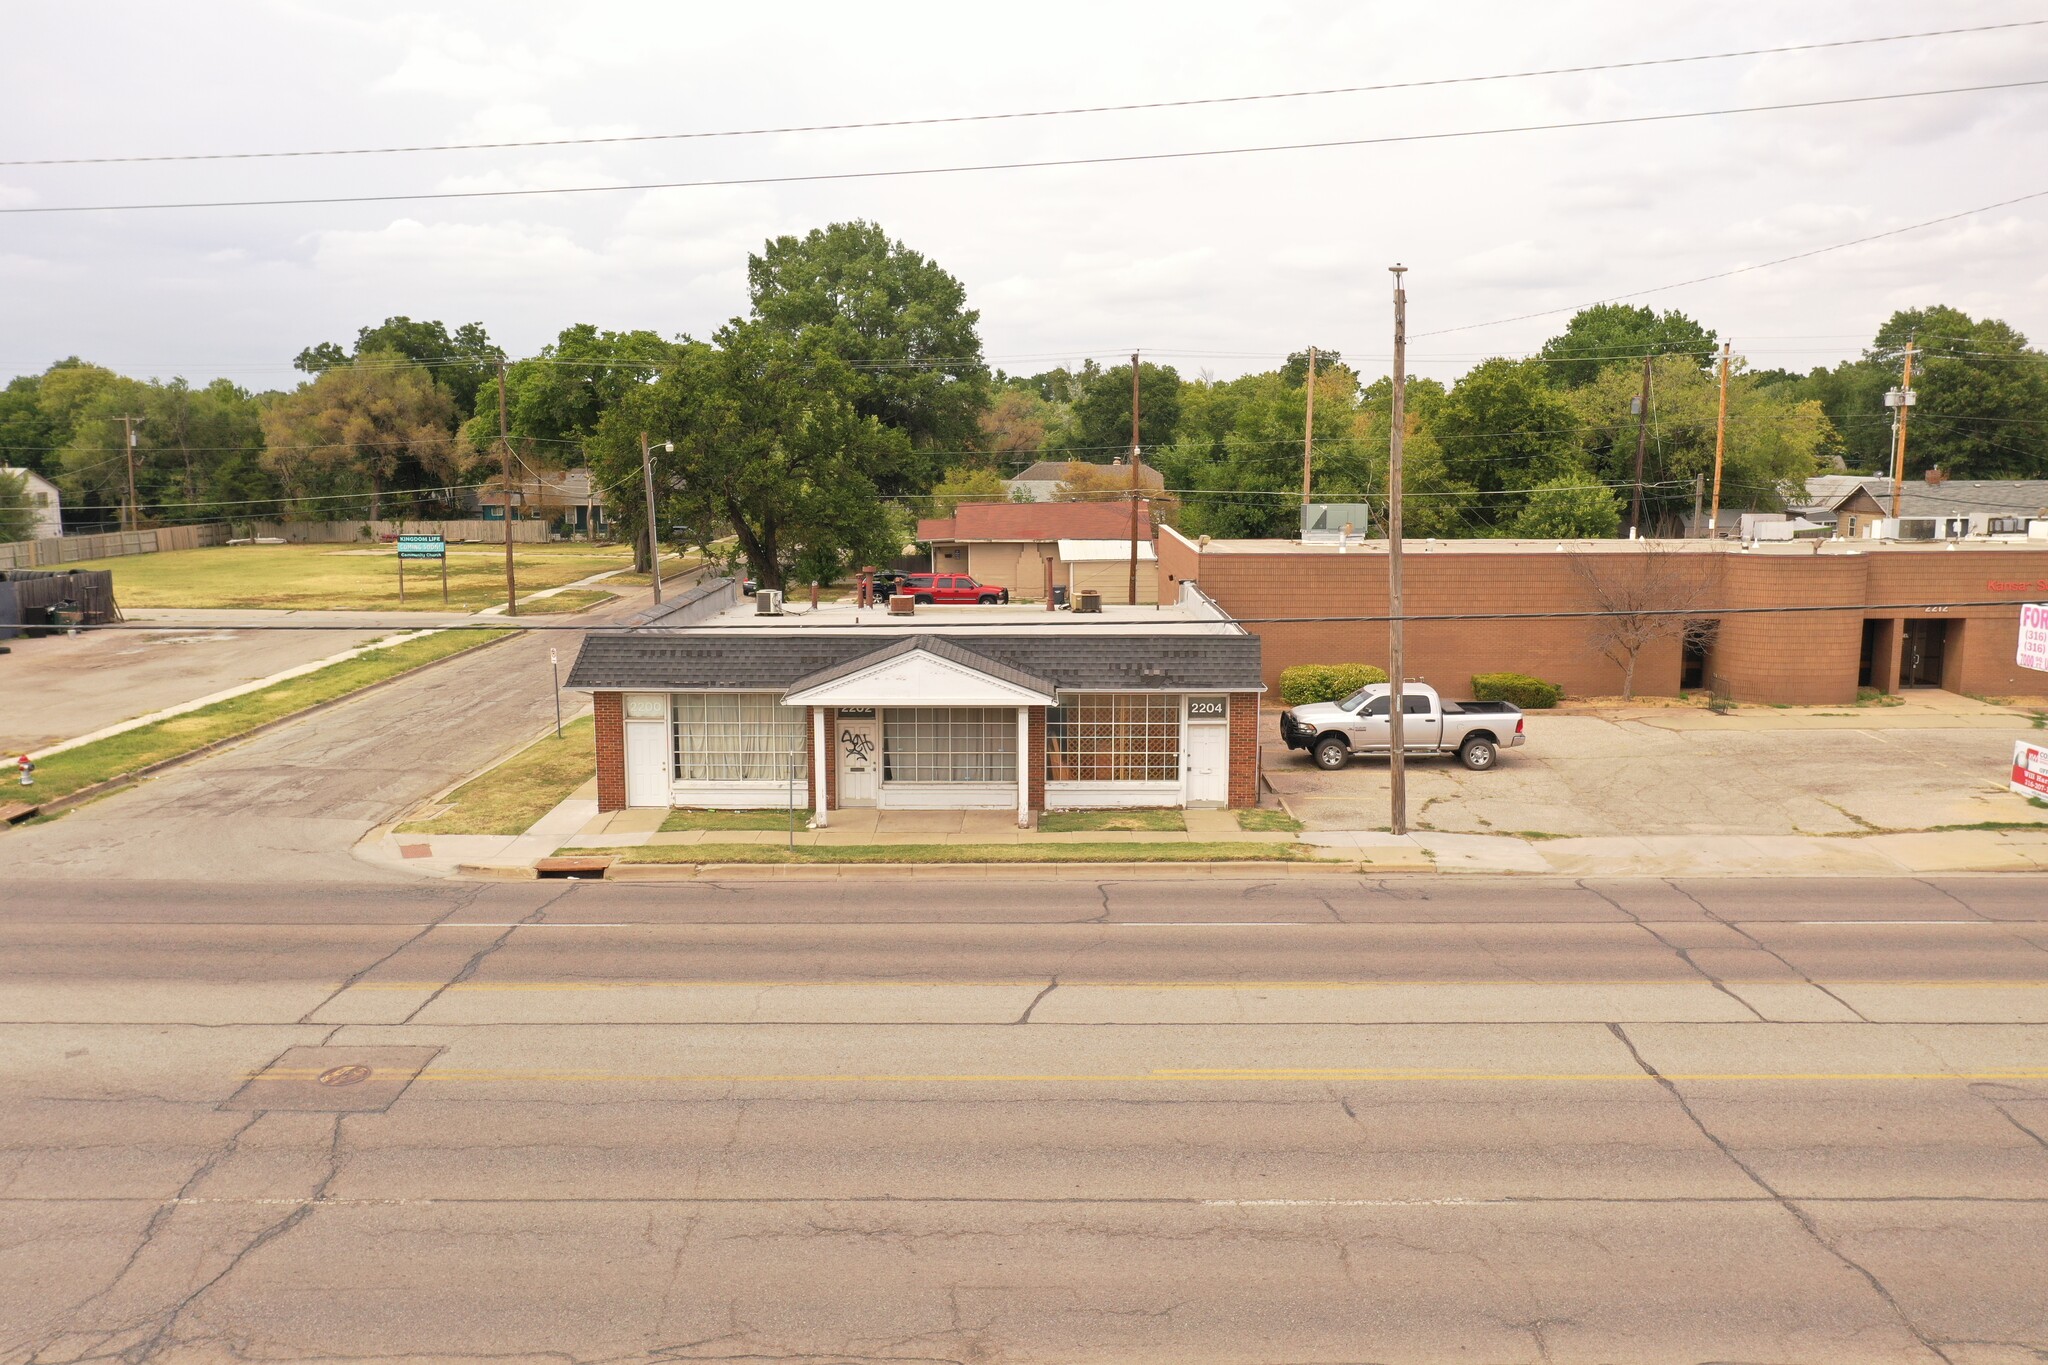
[1332,754]
[1478,754]
[924,599]
[991,600]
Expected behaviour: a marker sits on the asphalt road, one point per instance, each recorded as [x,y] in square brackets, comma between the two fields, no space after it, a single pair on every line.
[1221,1119]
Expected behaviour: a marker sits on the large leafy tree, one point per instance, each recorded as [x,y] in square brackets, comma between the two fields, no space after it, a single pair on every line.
[375,425]
[555,400]
[1608,335]
[29,436]
[17,517]
[1100,421]
[1572,506]
[896,321]
[770,444]
[1982,410]
[1502,429]
[461,361]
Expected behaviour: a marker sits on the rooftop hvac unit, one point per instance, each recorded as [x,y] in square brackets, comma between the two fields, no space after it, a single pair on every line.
[902,604]
[1088,599]
[768,602]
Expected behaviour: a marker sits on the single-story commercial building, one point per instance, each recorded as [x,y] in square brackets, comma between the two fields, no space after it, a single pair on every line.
[1891,614]
[713,703]
[1009,544]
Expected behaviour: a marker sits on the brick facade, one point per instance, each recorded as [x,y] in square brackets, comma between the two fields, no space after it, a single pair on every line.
[609,711]
[1810,657]
[1244,750]
[1035,758]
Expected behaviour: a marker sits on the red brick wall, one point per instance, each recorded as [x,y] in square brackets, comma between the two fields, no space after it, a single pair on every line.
[1034,758]
[1244,750]
[609,711]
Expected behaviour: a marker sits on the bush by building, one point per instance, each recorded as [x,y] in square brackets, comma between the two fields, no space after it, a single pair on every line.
[1531,694]
[1306,683]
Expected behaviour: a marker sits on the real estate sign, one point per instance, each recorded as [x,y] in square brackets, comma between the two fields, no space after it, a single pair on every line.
[2030,769]
[2034,635]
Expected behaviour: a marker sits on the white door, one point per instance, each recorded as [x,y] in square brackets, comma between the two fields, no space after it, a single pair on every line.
[1208,765]
[647,763]
[859,746]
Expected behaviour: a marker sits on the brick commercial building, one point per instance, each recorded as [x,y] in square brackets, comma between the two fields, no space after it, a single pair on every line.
[709,704]
[1897,626]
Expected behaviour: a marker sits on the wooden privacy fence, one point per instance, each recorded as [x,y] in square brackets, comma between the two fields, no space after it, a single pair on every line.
[52,550]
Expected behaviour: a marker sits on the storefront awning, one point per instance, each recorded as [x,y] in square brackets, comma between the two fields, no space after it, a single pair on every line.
[923,670]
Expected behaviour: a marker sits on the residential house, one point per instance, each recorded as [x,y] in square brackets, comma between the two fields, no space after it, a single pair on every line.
[44,500]
[569,498]
[1041,482]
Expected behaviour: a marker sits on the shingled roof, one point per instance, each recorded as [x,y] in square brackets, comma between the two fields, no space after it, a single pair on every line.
[761,662]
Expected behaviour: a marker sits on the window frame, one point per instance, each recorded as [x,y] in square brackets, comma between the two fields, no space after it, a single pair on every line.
[1116,738]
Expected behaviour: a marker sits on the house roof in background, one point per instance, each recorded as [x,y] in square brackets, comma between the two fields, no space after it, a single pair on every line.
[1055,471]
[1033,521]
[1919,498]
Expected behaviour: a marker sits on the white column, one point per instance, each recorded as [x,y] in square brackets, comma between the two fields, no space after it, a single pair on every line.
[1024,767]
[821,754]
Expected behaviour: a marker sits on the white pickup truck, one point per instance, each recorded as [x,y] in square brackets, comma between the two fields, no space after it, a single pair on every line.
[1332,731]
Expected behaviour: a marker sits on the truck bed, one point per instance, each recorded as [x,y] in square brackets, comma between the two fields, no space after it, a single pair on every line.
[1480,708]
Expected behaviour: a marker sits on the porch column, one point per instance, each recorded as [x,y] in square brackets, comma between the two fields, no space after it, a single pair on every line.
[821,754]
[1024,767]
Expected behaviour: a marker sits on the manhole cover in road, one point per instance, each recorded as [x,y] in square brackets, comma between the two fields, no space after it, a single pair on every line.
[345,1075]
[333,1080]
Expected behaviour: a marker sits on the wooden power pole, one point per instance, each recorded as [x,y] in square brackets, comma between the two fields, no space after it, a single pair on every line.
[505,455]
[653,539]
[1136,456]
[1397,771]
[1899,455]
[128,448]
[1635,506]
[1720,444]
[1308,431]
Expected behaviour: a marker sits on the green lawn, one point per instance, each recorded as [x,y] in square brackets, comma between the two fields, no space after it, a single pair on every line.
[1268,822]
[346,577]
[1145,820]
[731,819]
[961,853]
[117,755]
[511,796]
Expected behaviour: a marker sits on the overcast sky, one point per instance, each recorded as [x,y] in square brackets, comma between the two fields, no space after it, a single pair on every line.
[1220,264]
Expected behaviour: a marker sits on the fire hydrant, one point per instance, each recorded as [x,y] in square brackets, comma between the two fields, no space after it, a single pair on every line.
[28,767]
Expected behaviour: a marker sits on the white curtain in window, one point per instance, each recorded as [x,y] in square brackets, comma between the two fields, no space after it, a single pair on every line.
[736,737]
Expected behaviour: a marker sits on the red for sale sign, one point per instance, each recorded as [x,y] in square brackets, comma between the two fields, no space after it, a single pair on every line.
[2029,769]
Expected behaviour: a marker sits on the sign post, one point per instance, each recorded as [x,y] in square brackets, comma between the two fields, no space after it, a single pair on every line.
[555,667]
[423,547]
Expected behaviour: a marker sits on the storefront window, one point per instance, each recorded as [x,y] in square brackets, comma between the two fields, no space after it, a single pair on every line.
[736,737]
[1113,737]
[949,744]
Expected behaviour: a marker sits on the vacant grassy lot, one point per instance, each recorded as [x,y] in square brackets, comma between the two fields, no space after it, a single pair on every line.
[961,853]
[118,755]
[511,796]
[346,577]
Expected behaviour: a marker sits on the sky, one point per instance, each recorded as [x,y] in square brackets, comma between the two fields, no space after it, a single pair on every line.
[1216,265]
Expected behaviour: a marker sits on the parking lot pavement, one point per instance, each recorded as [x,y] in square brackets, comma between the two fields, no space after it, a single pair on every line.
[1797,771]
[62,686]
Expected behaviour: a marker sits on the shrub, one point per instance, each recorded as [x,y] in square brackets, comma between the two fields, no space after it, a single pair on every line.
[1531,694]
[1306,683]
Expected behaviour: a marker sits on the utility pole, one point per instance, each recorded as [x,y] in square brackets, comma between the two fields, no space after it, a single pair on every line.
[1904,405]
[128,448]
[505,455]
[1699,484]
[653,540]
[1397,770]
[1635,507]
[1720,444]
[1308,430]
[1136,456]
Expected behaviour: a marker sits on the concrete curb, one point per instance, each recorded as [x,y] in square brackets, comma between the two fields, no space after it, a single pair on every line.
[692,872]
[114,784]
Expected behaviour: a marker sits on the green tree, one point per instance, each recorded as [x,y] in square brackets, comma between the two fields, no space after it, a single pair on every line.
[1101,418]
[1982,409]
[896,320]
[1503,428]
[17,517]
[557,398]
[965,485]
[375,425]
[29,437]
[1571,507]
[1016,423]
[770,443]
[1618,334]
[461,361]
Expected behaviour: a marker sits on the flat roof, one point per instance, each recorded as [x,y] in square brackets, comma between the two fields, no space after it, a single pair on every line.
[1012,618]
[1805,548]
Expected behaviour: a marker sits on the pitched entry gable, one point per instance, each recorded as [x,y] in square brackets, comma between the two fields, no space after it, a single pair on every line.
[922,671]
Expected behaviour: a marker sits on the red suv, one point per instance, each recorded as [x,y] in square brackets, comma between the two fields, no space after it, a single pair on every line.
[928,588]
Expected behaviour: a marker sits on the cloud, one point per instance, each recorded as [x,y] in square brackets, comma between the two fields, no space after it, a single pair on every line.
[525,256]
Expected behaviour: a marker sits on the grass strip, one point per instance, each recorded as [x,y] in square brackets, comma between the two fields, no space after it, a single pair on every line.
[119,755]
[1263,821]
[569,600]
[961,853]
[732,819]
[1146,820]
[511,796]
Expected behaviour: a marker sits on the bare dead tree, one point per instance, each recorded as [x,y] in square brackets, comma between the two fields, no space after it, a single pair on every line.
[1646,592]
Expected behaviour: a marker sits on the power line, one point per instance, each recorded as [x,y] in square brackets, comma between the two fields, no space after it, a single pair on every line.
[1127,158]
[1013,115]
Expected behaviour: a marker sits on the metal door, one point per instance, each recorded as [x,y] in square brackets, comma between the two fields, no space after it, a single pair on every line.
[647,763]
[1921,660]
[860,760]
[1208,765]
